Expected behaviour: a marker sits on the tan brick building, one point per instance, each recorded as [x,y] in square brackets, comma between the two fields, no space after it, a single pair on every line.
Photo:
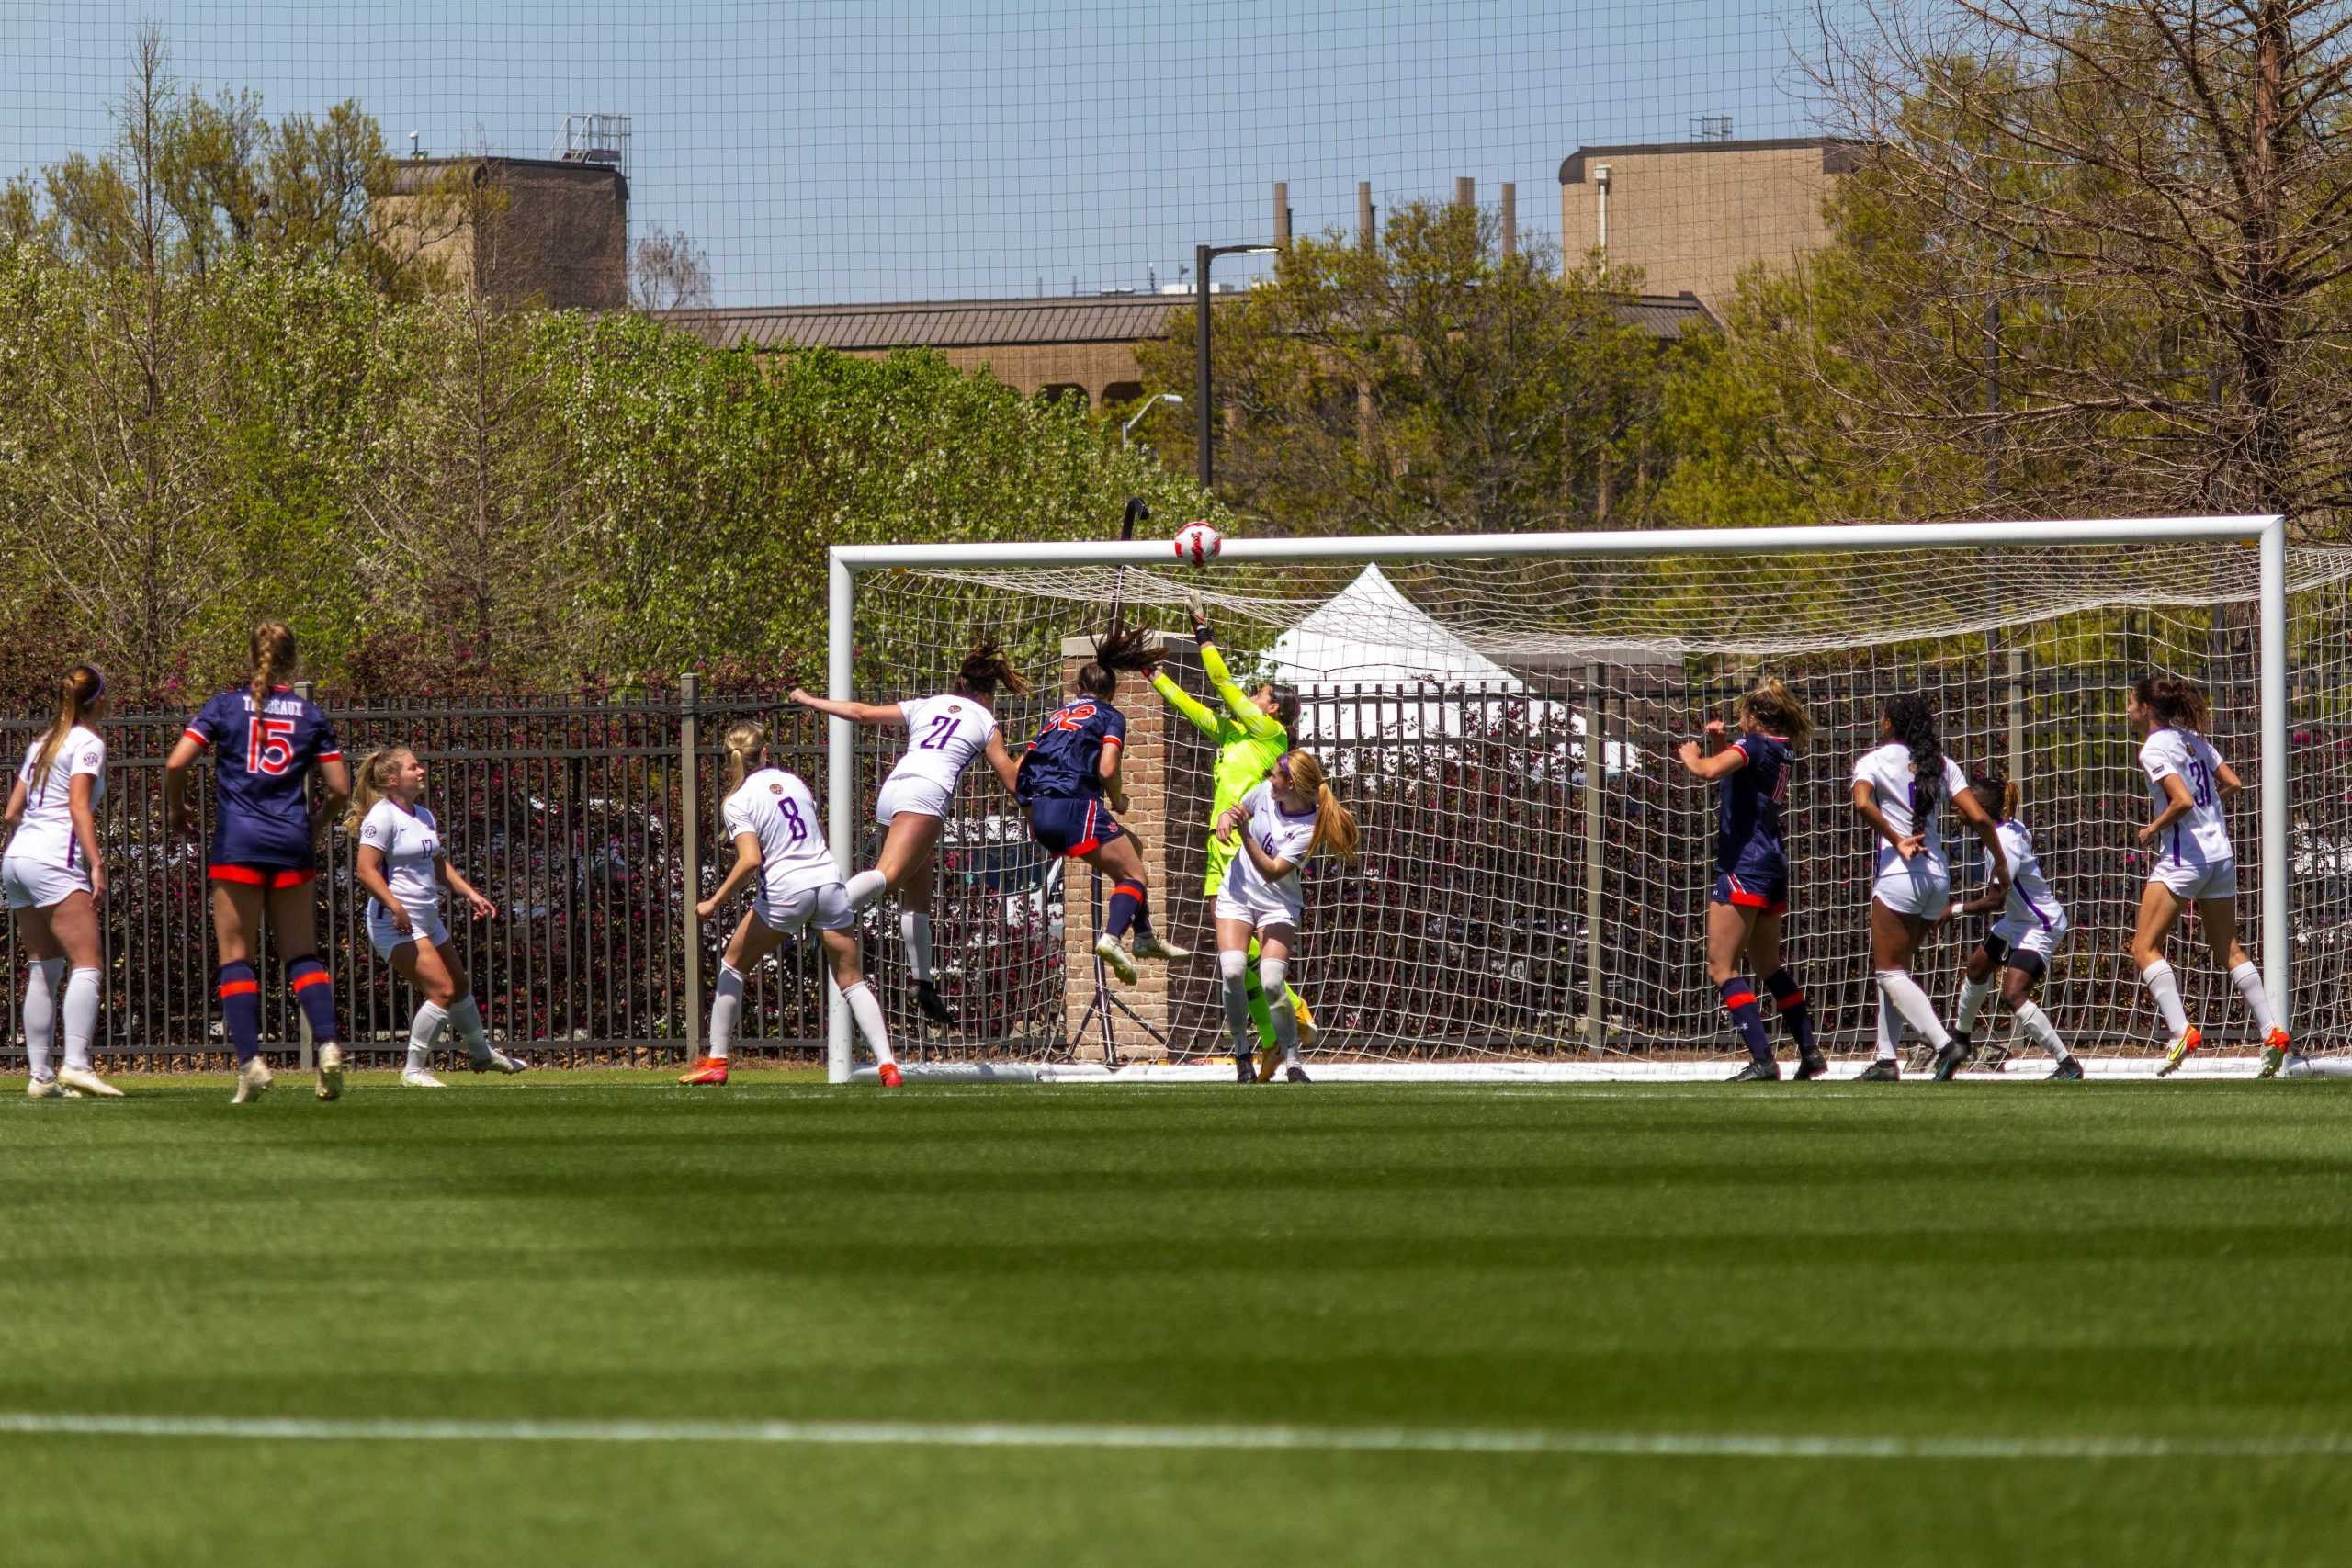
[1692,214]
[1084,345]
[529,231]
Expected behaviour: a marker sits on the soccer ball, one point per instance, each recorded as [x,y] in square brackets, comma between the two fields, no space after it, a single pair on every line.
[1198,542]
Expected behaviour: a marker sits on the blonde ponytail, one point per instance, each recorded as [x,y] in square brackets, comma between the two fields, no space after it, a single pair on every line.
[274,654]
[368,780]
[745,741]
[82,686]
[1335,825]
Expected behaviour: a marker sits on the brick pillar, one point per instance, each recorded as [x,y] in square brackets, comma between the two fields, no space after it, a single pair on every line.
[1146,773]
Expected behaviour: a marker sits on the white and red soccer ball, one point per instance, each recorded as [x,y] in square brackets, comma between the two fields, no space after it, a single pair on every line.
[1197,543]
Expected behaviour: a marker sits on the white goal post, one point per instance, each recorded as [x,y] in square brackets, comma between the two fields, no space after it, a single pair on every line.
[1069,568]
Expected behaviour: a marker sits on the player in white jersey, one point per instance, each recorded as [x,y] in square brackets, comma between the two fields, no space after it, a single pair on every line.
[1278,826]
[780,839]
[1901,789]
[2187,784]
[55,874]
[403,865]
[2032,925]
[944,733]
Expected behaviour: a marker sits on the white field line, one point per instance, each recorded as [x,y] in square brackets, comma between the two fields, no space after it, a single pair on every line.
[1227,1438]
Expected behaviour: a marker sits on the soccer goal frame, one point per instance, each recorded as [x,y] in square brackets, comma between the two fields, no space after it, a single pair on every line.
[2267,534]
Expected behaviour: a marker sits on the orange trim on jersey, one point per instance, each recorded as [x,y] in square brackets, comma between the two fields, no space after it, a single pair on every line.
[196,735]
[1113,740]
[238,989]
[330,757]
[316,978]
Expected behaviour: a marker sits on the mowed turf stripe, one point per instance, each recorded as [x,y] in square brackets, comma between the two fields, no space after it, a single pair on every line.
[1243,1439]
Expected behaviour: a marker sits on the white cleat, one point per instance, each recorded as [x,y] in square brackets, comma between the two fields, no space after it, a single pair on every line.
[1156,946]
[252,1082]
[417,1077]
[48,1089]
[497,1061]
[1115,959]
[330,1072]
[88,1083]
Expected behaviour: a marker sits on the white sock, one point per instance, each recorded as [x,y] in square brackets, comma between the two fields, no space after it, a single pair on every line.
[1913,1004]
[81,1017]
[465,1017]
[725,1008]
[422,1029]
[863,888]
[2248,978]
[915,930]
[1274,975]
[1231,967]
[43,979]
[1972,1002]
[2166,990]
[1890,1030]
[2031,1021]
[866,1009]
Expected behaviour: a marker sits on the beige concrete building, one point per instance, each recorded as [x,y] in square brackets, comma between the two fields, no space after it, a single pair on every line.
[1692,214]
[1083,346]
[528,230]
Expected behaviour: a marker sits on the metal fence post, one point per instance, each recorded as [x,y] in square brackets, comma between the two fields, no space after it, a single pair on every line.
[310,1049]
[690,799]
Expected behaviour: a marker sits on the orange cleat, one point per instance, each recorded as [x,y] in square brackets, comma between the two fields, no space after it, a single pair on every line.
[889,1075]
[2183,1048]
[2274,1054]
[709,1070]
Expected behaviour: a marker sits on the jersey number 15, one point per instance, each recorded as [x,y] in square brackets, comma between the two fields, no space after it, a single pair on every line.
[269,744]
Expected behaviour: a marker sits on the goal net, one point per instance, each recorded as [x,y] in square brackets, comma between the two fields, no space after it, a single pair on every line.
[1501,714]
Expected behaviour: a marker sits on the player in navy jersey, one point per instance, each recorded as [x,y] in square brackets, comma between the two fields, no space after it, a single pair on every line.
[266,740]
[1751,778]
[1069,786]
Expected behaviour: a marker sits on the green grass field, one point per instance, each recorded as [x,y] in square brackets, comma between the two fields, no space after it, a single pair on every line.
[2095,1324]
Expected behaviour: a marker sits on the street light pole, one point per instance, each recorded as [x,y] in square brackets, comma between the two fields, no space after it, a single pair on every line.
[1201,256]
[1129,429]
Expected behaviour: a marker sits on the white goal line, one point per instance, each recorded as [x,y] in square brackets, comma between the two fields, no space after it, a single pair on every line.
[1219,1070]
[1236,1438]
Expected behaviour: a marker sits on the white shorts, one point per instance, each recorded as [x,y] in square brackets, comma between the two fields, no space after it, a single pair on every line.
[1908,891]
[2194,879]
[826,905]
[924,798]
[425,925]
[2029,936]
[38,885]
[1258,906]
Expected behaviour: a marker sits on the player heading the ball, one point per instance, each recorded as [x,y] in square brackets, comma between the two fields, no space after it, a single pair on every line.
[1069,786]
[945,733]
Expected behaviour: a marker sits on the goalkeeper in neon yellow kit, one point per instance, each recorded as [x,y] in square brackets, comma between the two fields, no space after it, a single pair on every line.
[1251,734]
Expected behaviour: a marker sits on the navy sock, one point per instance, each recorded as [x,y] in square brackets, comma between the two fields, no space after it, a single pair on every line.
[1126,909]
[240,1006]
[1739,999]
[307,979]
[1796,1015]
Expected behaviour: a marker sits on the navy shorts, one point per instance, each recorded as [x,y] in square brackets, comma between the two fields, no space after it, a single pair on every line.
[1072,826]
[1766,889]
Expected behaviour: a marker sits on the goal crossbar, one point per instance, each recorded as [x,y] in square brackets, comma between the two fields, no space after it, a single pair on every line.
[2267,534]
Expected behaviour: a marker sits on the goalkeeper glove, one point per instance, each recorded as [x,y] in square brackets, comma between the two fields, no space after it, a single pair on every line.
[1201,632]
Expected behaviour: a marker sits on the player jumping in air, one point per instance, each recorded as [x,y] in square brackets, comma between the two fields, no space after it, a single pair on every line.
[403,866]
[1069,786]
[1900,790]
[54,875]
[1252,732]
[1276,828]
[2188,783]
[944,733]
[1751,894]
[2020,944]
[266,740]
[772,816]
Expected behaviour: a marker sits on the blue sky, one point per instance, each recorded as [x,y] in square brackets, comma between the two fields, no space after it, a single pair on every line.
[950,149]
